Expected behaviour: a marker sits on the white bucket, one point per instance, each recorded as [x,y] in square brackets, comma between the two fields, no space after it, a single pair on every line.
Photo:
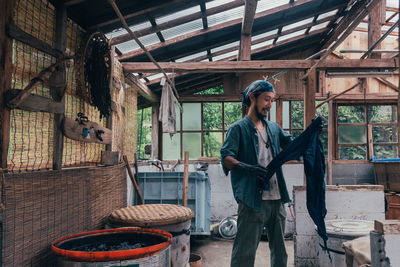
[340,231]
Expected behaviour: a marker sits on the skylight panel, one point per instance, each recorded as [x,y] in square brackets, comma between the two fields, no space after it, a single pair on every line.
[389,14]
[192,56]
[265,34]
[256,46]
[266,5]
[219,48]
[327,14]
[134,28]
[228,15]
[300,23]
[178,14]
[291,35]
[215,3]
[229,54]
[392,3]
[132,45]
[155,76]
[319,26]
[182,29]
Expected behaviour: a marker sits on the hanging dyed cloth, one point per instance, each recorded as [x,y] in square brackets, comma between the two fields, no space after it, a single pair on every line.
[308,145]
[167,114]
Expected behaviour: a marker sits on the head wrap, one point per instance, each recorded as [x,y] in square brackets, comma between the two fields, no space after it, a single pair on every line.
[256,87]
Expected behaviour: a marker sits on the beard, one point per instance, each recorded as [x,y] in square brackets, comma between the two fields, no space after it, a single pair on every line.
[259,114]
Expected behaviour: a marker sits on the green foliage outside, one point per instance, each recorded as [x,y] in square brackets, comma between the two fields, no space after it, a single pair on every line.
[144,132]
[217,90]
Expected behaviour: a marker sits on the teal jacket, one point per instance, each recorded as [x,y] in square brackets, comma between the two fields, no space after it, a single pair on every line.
[242,143]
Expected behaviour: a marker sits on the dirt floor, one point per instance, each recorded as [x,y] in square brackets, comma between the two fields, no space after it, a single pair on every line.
[216,252]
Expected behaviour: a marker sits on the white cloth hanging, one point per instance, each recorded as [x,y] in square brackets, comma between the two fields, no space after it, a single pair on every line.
[167,114]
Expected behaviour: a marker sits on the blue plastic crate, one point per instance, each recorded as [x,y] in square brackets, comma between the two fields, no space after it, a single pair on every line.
[166,188]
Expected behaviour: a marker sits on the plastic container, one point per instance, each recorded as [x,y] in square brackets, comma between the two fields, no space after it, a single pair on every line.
[115,247]
[340,231]
[166,188]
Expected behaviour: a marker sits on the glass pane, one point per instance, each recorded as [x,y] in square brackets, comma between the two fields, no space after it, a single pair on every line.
[296,133]
[144,132]
[297,109]
[212,116]
[324,112]
[178,118]
[353,152]
[212,144]
[171,146]
[384,134]
[232,112]
[285,114]
[191,119]
[192,142]
[352,134]
[385,152]
[382,114]
[272,112]
[323,137]
[351,114]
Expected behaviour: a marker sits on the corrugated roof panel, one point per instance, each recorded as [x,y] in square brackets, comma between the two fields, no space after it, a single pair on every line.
[156,76]
[392,3]
[188,58]
[233,53]
[319,26]
[215,3]
[265,5]
[265,34]
[183,29]
[132,45]
[291,35]
[219,48]
[121,31]
[228,15]
[178,14]
[294,25]
[327,14]
[269,42]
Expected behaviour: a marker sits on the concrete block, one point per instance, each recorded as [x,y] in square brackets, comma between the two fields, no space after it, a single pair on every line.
[357,201]
[304,224]
[299,262]
[305,246]
[293,171]
[343,170]
[392,244]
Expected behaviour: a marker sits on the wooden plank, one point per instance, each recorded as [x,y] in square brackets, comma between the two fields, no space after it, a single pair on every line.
[15,32]
[309,98]
[155,131]
[247,25]
[37,103]
[279,112]
[109,119]
[337,95]
[75,131]
[143,90]
[58,85]
[185,179]
[262,65]
[135,184]
[388,227]
[7,8]
[215,28]
[370,142]
[331,141]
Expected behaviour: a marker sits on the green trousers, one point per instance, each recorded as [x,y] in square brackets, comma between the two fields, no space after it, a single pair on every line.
[250,227]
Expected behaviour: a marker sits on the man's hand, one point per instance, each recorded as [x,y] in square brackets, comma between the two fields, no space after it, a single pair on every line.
[256,170]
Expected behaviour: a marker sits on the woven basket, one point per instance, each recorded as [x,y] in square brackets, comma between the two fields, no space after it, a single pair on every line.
[151,215]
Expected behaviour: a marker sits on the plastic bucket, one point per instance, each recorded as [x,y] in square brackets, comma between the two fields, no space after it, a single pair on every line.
[340,231]
[122,247]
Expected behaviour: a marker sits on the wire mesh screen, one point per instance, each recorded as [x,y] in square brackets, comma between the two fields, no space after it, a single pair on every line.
[32,133]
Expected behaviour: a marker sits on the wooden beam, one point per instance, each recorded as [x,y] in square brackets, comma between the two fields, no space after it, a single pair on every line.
[57,90]
[215,28]
[387,83]
[331,141]
[143,90]
[154,25]
[185,181]
[383,31]
[309,98]
[15,32]
[337,95]
[362,13]
[279,115]
[259,65]
[109,118]
[37,103]
[7,9]
[247,25]
[374,28]
[203,14]
[176,22]
[211,98]
[135,14]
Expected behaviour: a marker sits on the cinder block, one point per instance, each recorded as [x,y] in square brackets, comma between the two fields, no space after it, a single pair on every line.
[306,246]
[392,243]
[304,224]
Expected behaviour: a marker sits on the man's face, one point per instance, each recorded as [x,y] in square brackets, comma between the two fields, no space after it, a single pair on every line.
[264,103]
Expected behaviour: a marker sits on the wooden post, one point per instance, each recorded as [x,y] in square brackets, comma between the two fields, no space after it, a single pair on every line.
[56,90]
[155,130]
[279,116]
[7,8]
[331,136]
[370,142]
[134,182]
[376,18]
[185,179]
[111,84]
[309,98]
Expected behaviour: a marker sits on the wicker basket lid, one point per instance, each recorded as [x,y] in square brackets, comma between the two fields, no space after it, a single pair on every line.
[151,215]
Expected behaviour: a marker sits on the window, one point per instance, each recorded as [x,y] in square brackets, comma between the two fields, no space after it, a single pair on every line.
[202,129]
[357,124]
[292,117]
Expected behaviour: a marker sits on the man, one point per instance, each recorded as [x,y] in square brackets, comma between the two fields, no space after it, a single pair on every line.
[251,143]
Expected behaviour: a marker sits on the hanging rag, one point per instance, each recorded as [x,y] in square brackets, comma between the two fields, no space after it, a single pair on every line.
[308,145]
[167,114]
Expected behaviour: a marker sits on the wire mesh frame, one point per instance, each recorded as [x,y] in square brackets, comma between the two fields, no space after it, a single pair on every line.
[32,133]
